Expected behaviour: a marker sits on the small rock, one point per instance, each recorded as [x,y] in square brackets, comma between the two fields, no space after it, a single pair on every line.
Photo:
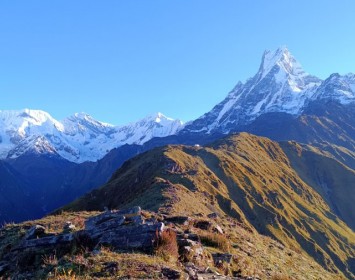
[186,242]
[213,215]
[171,273]
[218,257]
[36,231]
[180,220]
[68,227]
[205,225]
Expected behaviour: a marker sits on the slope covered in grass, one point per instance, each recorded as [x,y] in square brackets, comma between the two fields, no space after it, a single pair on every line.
[247,177]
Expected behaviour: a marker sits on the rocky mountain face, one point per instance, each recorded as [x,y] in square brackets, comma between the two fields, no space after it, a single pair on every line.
[280,86]
[264,186]
[78,138]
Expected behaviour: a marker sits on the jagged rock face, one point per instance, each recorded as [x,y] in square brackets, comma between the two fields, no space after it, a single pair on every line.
[280,85]
[121,230]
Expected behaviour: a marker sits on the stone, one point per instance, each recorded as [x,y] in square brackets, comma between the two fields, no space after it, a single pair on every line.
[130,212]
[171,273]
[106,225]
[203,224]
[142,237]
[36,231]
[48,241]
[68,227]
[219,257]
[186,242]
[95,221]
[180,220]
[213,215]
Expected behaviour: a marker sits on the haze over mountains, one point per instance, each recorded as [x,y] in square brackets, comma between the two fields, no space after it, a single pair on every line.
[57,161]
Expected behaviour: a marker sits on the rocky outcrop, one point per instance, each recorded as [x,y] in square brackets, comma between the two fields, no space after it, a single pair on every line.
[120,230]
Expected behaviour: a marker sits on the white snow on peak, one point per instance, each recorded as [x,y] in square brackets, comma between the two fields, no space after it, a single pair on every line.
[77,138]
[337,87]
[280,85]
[284,59]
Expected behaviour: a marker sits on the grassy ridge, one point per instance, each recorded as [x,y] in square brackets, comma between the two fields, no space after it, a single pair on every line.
[246,177]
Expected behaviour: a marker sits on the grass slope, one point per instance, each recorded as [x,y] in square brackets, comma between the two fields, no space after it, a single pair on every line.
[247,177]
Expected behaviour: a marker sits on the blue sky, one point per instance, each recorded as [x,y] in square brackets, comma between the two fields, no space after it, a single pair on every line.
[122,60]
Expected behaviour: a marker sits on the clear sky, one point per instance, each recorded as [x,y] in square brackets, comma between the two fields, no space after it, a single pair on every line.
[122,60]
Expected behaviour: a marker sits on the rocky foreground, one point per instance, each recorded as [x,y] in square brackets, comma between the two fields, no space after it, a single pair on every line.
[132,243]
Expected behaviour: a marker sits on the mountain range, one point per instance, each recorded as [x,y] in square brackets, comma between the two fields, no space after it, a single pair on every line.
[57,161]
[275,158]
[77,138]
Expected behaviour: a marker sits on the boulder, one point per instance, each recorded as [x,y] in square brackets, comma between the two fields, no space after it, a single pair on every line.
[96,221]
[35,232]
[49,241]
[142,237]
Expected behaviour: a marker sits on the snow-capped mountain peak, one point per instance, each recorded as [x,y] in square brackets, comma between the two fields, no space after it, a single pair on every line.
[280,85]
[77,138]
[281,58]
[283,66]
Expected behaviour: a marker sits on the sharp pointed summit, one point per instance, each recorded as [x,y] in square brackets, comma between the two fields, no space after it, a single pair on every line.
[281,59]
[280,85]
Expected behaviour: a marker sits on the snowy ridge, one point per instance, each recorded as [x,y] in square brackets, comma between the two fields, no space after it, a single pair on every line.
[280,85]
[77,138]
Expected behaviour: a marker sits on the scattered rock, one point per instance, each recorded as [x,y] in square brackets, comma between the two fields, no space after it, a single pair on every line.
[203,224]
[213,215]
[219,257]
[171,273]
[36,231]
[181,220]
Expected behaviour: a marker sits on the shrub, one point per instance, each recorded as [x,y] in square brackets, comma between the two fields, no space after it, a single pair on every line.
[167,247]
